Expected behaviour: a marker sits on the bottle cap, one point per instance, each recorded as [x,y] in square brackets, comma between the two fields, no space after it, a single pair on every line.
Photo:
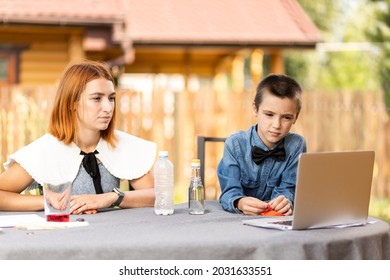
[195,162]
[163,153]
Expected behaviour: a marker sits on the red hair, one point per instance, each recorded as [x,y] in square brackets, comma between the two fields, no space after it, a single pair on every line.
[63,118]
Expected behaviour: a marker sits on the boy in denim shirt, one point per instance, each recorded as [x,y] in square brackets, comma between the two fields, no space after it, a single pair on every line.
[258,169]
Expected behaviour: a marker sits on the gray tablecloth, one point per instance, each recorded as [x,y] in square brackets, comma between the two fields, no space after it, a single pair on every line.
[140,234]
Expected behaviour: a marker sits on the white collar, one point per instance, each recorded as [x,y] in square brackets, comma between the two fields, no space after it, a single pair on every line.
[49,160]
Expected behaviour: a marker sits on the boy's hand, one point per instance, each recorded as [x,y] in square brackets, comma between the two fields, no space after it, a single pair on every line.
[282,205]
[251,206]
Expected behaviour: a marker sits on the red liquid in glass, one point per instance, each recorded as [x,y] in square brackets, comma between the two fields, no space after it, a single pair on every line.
[57,218]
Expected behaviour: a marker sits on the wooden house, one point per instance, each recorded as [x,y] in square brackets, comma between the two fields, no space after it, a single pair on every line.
[38,38]
[208,38]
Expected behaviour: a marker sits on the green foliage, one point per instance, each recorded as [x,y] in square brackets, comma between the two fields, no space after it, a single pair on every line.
[339,68]
[303,65]
[298,64]
[379,33]
[323,13]
[348,71]
[380,208]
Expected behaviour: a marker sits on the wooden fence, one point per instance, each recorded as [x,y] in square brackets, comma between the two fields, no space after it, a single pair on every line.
[172,118]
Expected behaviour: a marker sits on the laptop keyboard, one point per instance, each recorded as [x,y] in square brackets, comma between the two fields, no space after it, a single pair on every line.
[286,223]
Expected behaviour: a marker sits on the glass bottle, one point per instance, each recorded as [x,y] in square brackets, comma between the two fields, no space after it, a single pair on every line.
[196,191]
[163,185]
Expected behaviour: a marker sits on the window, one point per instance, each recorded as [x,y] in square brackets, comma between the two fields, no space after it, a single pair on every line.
[8,67]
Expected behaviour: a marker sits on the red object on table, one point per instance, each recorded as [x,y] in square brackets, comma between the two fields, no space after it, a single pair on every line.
[270,212]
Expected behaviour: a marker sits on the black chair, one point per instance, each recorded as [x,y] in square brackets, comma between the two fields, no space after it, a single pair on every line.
[202,149]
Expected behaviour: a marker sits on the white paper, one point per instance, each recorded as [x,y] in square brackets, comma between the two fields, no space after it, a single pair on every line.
[15,220]
[34,222]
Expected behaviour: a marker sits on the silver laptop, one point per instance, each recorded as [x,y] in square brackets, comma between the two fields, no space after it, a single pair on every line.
[333,189]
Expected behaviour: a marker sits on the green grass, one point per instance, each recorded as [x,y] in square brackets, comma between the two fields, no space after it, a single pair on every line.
[380,208]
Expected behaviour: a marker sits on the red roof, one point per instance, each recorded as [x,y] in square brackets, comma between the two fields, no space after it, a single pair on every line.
[236,22]
[224,21]
[60,11]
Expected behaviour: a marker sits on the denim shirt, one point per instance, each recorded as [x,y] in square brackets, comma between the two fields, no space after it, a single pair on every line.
[240,176]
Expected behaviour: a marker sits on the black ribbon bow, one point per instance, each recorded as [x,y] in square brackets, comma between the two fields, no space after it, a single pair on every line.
[259,155]
[91,166]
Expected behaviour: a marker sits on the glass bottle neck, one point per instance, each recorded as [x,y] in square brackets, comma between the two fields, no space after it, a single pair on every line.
[195,171]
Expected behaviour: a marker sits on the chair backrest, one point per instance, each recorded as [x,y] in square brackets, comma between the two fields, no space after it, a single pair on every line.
[202,149]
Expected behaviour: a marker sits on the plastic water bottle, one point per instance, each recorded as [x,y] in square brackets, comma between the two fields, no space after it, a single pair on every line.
[163,185]
[196,190]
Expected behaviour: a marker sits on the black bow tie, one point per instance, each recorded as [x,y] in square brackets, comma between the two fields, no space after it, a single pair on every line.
[278,153]
[91,166]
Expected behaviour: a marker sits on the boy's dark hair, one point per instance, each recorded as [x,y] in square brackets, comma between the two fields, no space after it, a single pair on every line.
[281,86]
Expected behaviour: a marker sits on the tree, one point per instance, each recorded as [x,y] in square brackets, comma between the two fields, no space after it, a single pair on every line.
[301,64]
[341,23]
[379,33]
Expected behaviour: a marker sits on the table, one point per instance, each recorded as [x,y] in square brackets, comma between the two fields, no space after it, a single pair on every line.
[142,235]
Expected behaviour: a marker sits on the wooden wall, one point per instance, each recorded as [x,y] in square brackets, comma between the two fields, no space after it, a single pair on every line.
[45,50]
[172,112]
[330,121]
